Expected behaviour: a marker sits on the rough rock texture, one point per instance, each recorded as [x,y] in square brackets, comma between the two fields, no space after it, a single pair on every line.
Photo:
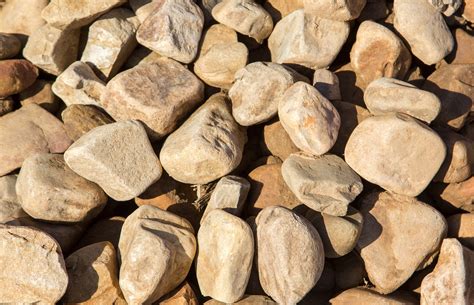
[447,7]
[290,254]
[9,46]
[309,118]
[247,300]
[405,154]
[142,8]
[307,40]
[363,296]
[340,10]
[15,76]
[461,227]
[207,146]
[173,29]
[80,119]
[26,15]
[10,211]
[327,83]
[159,94]
[424,29]
[386,95]
[468,10]
[325,184]
[156,252]
[400,235]
[118,157]
[38,274]
[40,93]
[277,142]
[183,295]
[224,261]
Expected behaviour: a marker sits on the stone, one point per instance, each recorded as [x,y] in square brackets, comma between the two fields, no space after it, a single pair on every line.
[340,10]
[327,83]
[206,7]
[244,16]
[159,94]
[183,295]
[323,183]
[156,250]
[451,280]
[142,8]
[16,75]
[10,46]
[307,40]
[93,276]
[78,84]
[71,15]
[374,10]
[247,300]
[454,195]
[10,211]
[80,119]
[386,95]
[338,234]
[309,118]
[351,85]
[462,53]
[7,188]
[257,90]
[461,227]
[7,105]
[290,254]
[38,275]
[400,235]
[447,7]
[277,142]
[207,146]
[22,17]
[28,131]
[424,29]
[118,157]
[173,29]
[141,55]
[371,61]
[104,230]
[468,10]
[363,295]
[40,93]
[217,34]
[224,261]
[349,271]
[404,153]
[281,8]
[52,50]
[110,41]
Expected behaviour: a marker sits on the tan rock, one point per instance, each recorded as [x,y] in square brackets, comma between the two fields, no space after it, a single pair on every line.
[15,76]
[340,10]
[10,46]
[38,274]
[281,8]
[468,10]
[156,251]
[454,195]
[400,235]
[183,295]
[374,10]
[247,300]
[10,212]
[40,93]
[461,227]
[104,230]
[217,34]
[22,17]
[363,295]
[462,53]
[277,142]
[7,105]
[447,7]
[80,119]
[142,8]
[7,188]
[327,83]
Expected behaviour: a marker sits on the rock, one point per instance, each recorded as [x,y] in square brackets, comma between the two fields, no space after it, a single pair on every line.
[142,8]
[327,83]
[159,94]
[468,10]
[349,271]
[15,76]
[386,95]
[28,131]
[118,157]
[309,118]
[368,59]
[461,227]
[290,254]
[52,50]
[307,40]
[277,142]
[7,105]
[424,29]
[38,274]
[156,250]
[257,90]
[247,300]
[22,17]
[462,53]
[139,56]
[110,41]
[245,17]
[447,7]
[7,188]
[10,211]
[325,184]
[224,261]
[68,14]
[363,295]
[183,295]
[404,153]
[400,235]
[454,195]
[281,8]
[40,93]
[80,119]
[351,85]
[10,46]
[207,146]
[341,10]
[79,85]
[374,10]
[451,280]
[104,230]
[338,234]
[173,29]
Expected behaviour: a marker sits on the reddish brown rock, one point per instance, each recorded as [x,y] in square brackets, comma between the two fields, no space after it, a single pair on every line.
[16,75]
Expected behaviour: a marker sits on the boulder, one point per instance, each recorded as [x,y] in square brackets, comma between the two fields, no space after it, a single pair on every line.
[183,295]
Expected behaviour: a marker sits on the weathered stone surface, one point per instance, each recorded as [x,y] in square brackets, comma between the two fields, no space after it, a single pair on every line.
[362,296]
[327,83]
[27,131]
[307,40]
[404,154]
[424,29]
[7,105]
[245,16]
[386,95]
[454,195]
[9,45]
[400,235]
[461,226]
[224,261]
[371,61]
[290,254]
[183,295]
[38,275]
[173,29]
[142,8]
[277,142]
[247,300]
[349,271]
[340,10]
[10,211]
[22,17]
[52,50]
[451,280]
[156,252]
[118,157]
[103,230]
[40,93]
[69,14]
[15,76]
[462,53]
[207,146]
[159,94]
[110,41]
[80,119]
[257,90]
[281,8]
[309,118]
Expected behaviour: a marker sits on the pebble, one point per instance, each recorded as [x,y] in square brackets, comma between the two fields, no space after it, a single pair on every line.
[15,76]
[118,157]
[276,141]
[336,10]
[80,119]
[327,83]
[22,17]
[404,153]
[461,227]
[7,105]
[364,295]
[40,93]
[309,118]
[156,251]
[207,146]
[10,46]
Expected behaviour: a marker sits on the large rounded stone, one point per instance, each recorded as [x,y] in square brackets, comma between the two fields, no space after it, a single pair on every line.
[15,76]
[21,17]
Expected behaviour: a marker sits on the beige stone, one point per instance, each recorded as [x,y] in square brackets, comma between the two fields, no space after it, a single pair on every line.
[22,17]
[281,8]
[217,34]
[142,8]
[40,93]
[140,55]
[454,195]
[7,188]
[183,295]
[461,227]
[352,86]
[468,10]
[340,10]
[363,296]
[277,142]
[9,45]
[80,119]
[327,83]
[15,76]
[247,300]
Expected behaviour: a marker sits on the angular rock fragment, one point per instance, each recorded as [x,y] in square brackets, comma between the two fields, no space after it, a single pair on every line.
[15,76]
[447,7]
[362,296]
[340,10]
[22,17]
[461,227]
[10,212]
[9,46]
[80,119]
[454,195]
[327,83]
[40,93]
